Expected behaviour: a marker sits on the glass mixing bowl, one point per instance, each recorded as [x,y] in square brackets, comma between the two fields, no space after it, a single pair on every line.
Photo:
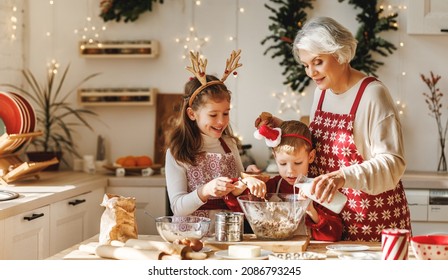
[276,217]
[171,228]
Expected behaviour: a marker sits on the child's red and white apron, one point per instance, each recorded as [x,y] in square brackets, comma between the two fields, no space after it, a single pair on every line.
[364,216]
[210,166]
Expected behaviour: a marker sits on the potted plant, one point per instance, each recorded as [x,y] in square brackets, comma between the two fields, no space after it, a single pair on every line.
[55,116]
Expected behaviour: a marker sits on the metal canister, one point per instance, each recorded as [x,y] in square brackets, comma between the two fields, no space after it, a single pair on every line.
[229,226]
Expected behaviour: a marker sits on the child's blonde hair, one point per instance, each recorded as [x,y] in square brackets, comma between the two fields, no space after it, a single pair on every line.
[295,136]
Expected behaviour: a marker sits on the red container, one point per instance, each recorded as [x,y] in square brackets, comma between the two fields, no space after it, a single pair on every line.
[395,244]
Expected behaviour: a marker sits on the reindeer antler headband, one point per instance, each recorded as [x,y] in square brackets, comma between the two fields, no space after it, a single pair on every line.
[198,67]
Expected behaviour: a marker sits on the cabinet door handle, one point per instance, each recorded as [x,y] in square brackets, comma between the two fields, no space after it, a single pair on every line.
[76,202]
[34,216]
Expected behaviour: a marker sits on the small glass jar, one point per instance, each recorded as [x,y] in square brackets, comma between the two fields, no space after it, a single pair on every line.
[229,226]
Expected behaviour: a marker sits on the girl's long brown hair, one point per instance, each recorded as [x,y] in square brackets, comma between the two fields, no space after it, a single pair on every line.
[185,140]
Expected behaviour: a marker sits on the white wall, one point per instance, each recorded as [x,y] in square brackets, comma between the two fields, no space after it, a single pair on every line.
[130,130]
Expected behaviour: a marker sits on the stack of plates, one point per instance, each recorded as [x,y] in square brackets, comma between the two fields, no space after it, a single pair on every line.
[17,116]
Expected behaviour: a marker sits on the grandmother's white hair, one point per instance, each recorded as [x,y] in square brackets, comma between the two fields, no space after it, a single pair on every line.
[324,35]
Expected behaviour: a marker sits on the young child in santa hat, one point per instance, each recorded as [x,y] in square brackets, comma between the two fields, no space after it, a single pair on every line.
[293,152]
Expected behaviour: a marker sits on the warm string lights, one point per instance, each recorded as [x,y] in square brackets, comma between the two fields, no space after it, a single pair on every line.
[234,38]
[398,7]
[192,42]
[289,100]
[12,55]
[10,23]
[90,33]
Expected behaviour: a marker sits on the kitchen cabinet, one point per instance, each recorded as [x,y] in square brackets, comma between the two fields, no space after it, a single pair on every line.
[27,235]
[2,233]
[149,197]
[75,219]
[428,17]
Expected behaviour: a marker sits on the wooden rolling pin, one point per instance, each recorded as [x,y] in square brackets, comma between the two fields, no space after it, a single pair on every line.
[128,253]
[181,252]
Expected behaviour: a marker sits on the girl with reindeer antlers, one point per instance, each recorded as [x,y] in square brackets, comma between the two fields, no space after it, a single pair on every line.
[202,159]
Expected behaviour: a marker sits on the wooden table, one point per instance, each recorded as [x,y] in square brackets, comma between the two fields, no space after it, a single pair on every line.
[73,253]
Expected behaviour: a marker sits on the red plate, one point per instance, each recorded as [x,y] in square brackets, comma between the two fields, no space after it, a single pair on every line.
[24,112]
[10,114]
[32,115]
[25,122]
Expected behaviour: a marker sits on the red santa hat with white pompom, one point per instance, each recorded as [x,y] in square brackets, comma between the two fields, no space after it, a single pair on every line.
[272,136]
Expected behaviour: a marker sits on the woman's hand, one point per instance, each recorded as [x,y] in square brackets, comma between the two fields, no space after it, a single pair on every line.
[325,186]
[218,187]
[255,186]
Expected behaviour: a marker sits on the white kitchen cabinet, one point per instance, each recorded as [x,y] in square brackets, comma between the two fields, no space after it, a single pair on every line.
[27,235]
[428,17]
[2,233]
[75,219]
[148,198]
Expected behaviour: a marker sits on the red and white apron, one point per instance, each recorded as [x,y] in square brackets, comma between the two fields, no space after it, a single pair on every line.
[364,216]
[210,166]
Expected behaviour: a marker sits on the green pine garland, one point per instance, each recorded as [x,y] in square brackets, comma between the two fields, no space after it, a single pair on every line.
[290,16]
[130,10]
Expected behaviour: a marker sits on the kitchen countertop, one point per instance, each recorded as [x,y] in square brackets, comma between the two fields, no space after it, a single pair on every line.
[73,253]
[59,185]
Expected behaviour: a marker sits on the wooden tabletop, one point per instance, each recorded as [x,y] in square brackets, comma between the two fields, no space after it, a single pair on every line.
[320,247]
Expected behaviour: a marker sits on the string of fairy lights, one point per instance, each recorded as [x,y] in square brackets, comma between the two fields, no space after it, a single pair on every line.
[11,42]
[400,8]
[193,42]
[288,99]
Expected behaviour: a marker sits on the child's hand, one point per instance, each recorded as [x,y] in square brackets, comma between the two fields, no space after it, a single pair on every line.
[255,186]
[310,210]
[219,187]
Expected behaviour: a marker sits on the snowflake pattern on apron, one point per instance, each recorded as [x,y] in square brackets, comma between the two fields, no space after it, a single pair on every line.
[364,216]
[210,166]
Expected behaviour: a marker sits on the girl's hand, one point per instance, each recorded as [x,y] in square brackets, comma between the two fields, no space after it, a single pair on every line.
[325,186]
[255,186]
[218,187]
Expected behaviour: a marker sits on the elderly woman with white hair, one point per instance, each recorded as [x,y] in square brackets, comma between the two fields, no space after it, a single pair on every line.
[356,131]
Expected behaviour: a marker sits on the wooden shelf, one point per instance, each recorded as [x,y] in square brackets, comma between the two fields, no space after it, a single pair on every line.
[117,97]
[119,49]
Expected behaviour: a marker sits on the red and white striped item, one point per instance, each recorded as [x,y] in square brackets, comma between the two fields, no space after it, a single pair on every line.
[395,244]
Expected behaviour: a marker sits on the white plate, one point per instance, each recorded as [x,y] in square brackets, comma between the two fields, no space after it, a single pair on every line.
[7,195]
[225,255]
[298,256]
[206,250]
[360,256]
[348,248]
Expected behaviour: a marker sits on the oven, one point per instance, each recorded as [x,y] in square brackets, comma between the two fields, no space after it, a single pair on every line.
[429,210]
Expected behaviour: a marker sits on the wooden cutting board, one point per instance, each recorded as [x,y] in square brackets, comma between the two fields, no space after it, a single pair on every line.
[298,243]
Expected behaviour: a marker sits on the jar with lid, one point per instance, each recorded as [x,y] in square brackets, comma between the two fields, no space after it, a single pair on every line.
[229,226]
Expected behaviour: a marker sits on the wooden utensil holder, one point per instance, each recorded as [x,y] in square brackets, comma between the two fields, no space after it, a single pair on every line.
[12,167]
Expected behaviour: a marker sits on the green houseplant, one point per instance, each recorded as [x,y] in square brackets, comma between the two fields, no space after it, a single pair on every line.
[55,116]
